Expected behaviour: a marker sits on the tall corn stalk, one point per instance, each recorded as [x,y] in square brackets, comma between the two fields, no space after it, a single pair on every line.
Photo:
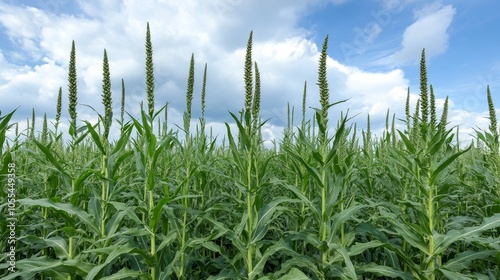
[73,99]
[323,142]
[186,183]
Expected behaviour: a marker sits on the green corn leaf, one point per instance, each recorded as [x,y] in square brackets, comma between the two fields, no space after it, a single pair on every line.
[210,245]
[265,217]
[303,199]
[350,271]
[27,268]
[82,177]
[124,138]
[454,275]
[314,172]
[279,246]
[157,210]
[166,240]
[294,274]
[115,222]
[469,232]
[67,208]
[245,138]
[51,158]
[300,261]
[408,144]
[383,270]
[346,214]
[410,236]
[95,137]
[445,163]
[4,126]
[463,260]
[59,245]
[126,273]
[359,248]
[117,252]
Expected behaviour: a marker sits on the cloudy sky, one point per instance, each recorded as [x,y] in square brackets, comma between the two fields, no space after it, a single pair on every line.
[374,50]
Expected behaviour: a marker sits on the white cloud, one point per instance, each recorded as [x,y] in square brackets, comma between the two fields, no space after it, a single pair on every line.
[216,34]
[429,31]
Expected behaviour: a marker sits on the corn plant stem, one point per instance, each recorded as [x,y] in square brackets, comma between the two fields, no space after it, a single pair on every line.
[405,243]
[153,235]
[104,199]
[324,254]
[298,224]
[185,204]
[430,212]
[146,188]
[203,230]
[73,200]
[183,243]
[250,214]
[44,231]
[302,214]
[342,226]
[148,196]
[71,256]
[45,215]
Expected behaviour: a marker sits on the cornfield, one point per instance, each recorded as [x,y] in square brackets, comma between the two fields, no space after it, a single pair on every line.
[323,203]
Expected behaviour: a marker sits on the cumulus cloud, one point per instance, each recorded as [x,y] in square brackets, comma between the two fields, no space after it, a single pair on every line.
[216,32]
[429,31]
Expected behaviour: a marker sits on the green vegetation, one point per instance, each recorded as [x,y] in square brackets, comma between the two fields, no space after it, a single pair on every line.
[151,204]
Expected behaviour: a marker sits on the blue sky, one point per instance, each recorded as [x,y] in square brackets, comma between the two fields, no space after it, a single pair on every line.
[374,49]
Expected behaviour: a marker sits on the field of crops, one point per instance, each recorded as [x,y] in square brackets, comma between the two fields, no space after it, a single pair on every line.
[324,203]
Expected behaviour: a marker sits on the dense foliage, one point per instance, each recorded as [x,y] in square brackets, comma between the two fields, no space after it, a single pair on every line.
[322,204]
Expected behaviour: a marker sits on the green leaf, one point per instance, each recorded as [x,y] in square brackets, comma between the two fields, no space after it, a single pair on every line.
[124,138]
[95,137]
[350,270]
[383,270]
[59,245]
[266,216]
[82,177]
[454,235]
[4,126]
[464,259]
[294,274]
[305,200]
[157,210]
[453,275]
[117,252]
[408,144]
[67,208]
[445,163]
[127,273]
[314,172]
[166,240]
[279,246]
[27,268]
[359,248]
[339,135]
[244,137]
[51,158]
[412,237]
[346,214]
[210,245]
